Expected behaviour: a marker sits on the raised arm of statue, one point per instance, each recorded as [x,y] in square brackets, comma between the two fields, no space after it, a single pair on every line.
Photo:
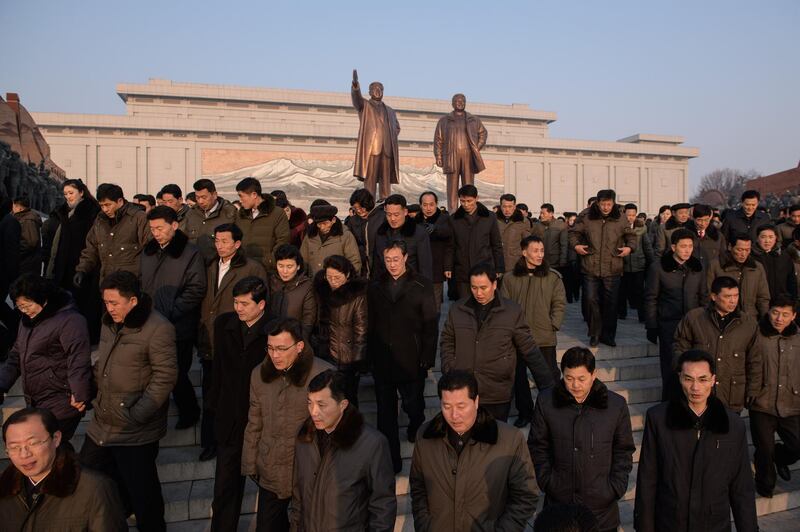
[355,92]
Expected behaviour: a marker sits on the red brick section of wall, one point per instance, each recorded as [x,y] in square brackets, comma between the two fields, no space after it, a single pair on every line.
[777,183]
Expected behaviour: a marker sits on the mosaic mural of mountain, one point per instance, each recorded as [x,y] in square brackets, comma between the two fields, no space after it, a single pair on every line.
[305,180]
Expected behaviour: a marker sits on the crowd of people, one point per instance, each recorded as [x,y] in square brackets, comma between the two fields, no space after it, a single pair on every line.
[287,311]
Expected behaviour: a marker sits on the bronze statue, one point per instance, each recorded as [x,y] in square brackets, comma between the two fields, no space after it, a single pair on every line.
[457,144]
[377,159]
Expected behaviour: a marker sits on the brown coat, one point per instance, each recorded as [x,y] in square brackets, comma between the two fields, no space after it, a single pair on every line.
[340,241]
[377,123]
[780,352]
[511,234]
[542,297]
[294,299]
[135,371]
[489,486]
[351,488]
[753,288]
[263,234]
[278,408]
[219,300]
[115,247]
[739,368]
[71,499]
[603,235]
[554,234]
[200,229]
[444,142]
[341,332]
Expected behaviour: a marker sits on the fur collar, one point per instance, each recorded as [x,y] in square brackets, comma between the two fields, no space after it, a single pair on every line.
[483,431]
[343,295]
[138,315]
[768,330]
[61,482]
[669,264]
[680,417]
[432,220]
[672,223]
[516,217]
[726,261]
[265,207]
[521,268]
[482,211]
[408,228]
[85,209]
[297,374]
[337,229]
[57,301]
[597,398]
[711,232]
[595,214]
[347,431]
[174,249]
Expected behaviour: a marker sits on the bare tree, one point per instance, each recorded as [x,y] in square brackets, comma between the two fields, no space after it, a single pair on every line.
[723,187]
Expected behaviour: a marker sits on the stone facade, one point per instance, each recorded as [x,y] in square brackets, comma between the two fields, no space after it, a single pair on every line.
[304,143]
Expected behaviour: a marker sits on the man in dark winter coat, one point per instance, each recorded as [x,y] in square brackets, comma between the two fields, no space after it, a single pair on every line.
[675,285]
[52,353]
[10,232]
[403,329]
[399,225]
[631,289]
[739,264]
[729,335]
[469,471]
[485,333]
[777,407]
[45,487]
[778,265]
[555,235]
[135,371]
[240,338]
[265,227]
[476,239]
[602,239]
[679,220]
[364,225]
[278,409]
[343,479]
[116,239]
[229,267]
[709,241]
[172,197]
[581,441]
[747,219]
[787,228]
[210,212]
[440,232]
[694,468]
[30,244]
[174,276]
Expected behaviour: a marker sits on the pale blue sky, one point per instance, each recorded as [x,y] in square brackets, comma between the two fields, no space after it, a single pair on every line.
[723,74]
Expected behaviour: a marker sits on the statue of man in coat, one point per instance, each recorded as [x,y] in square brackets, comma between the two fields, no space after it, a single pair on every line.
[457,144]
[377,160]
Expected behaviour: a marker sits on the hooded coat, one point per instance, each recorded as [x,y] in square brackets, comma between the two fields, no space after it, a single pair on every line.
[71,499]
[350,488]
[263,234]
[583,453]
[604,235]
[542,297]
[52,354]
[488,486]
[690,479]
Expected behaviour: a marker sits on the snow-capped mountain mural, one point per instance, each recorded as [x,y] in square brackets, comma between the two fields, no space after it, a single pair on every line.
[306,180]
